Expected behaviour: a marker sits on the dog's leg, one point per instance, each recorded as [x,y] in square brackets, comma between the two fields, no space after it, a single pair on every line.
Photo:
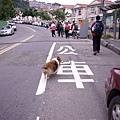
[45,76]
[48,76]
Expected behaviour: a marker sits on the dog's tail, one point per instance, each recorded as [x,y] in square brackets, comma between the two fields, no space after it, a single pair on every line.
[44,69]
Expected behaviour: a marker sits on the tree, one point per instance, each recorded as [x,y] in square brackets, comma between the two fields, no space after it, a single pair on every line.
[44,15]
[59,15]
[21,4]
[30,12]
[118,13]
[33,12]
[6,9]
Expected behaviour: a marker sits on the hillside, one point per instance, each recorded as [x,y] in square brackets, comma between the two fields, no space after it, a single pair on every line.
[21,4]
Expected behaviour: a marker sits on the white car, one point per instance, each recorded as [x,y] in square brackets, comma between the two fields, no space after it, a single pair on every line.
[35,23]
[13,26]
[19,21]
[6,30]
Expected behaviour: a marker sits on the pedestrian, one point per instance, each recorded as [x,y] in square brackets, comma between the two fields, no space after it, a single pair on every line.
[72,25]
[97,30]
[58,28]
[75,30]
[61,29]
[53,28]
[47,25]
[67,28]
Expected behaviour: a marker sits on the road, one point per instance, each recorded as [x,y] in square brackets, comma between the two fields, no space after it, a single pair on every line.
[76,92]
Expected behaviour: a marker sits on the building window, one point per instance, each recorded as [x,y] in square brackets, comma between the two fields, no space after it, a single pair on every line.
[92,10]
[99,11]
[79,12]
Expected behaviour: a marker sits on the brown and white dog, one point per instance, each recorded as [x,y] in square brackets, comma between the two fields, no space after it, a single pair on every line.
[51,67]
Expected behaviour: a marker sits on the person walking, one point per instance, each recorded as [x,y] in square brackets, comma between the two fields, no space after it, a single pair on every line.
[97,30]
[61,29]
[67,28]
[53,28]
[58,28]
[75,30]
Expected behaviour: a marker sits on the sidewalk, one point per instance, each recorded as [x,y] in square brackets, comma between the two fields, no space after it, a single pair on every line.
[112,44]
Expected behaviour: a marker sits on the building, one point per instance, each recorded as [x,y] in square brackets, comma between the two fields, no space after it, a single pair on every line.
[94,9]
[79,12]
[68,10]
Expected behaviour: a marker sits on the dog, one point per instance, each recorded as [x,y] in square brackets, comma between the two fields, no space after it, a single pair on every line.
[51,67]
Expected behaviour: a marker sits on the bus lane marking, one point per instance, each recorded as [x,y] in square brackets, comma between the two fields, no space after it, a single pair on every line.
[76,69]
[67,68]
[73,68]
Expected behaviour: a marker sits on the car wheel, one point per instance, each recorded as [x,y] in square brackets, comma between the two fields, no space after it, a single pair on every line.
[114,109]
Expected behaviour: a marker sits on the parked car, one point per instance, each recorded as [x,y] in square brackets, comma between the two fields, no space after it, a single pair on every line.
[36,23]
[13,26]
[112,89]
[19,21]
[7,30]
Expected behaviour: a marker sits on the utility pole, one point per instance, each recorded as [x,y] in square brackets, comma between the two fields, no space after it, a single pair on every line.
[104,16]
[115,23]
[119,29]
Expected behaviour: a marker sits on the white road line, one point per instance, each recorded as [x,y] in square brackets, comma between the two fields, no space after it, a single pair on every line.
[42,83]
[15,45]
[73,80]
[37,118]
[79,84]
[30,28]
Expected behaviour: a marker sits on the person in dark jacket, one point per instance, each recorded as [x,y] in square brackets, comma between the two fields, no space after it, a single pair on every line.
[97,30]
[61,29]
[58,28]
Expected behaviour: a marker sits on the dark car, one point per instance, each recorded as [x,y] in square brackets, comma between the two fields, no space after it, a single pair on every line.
[112,89]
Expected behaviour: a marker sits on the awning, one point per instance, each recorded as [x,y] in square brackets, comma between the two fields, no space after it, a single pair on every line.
[110,7]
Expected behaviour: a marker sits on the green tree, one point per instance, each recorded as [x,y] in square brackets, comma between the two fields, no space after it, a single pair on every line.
[30,12]
[59,15]
[44,15]
[33,12]
[118,13]
[6,9]
[21,4]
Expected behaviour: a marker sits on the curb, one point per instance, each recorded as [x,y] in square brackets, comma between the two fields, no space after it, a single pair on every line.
[111,46]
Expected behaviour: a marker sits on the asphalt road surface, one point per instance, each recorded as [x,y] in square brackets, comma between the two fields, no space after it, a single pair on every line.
[76,92]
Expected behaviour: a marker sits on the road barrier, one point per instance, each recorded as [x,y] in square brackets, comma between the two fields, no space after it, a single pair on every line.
[2,23]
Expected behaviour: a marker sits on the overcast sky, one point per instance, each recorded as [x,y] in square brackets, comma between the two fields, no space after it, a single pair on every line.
[68,2]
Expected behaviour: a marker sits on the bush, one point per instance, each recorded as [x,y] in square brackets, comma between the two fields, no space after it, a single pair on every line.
[89,36]
[107,36]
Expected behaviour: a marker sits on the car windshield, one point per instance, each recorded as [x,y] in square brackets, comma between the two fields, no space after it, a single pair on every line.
[5,27]
[8,27]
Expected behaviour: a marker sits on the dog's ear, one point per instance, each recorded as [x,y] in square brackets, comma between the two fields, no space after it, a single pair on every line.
[59,59]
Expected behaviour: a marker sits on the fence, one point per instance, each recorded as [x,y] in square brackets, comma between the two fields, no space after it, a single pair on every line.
[2,23]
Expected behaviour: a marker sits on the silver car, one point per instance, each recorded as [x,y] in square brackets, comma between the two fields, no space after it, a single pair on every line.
[6,30]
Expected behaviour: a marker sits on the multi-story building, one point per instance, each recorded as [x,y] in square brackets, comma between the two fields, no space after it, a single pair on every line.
[76,12]
[94,9]
[79,12]
[68,10]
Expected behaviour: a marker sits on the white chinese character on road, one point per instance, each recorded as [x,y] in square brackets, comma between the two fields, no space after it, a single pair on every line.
[66,50]
[76,69]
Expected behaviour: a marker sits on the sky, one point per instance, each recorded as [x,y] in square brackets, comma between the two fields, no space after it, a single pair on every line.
[68,2]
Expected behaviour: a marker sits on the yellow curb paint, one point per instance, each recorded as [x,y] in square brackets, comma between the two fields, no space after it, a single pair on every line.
[15,45]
